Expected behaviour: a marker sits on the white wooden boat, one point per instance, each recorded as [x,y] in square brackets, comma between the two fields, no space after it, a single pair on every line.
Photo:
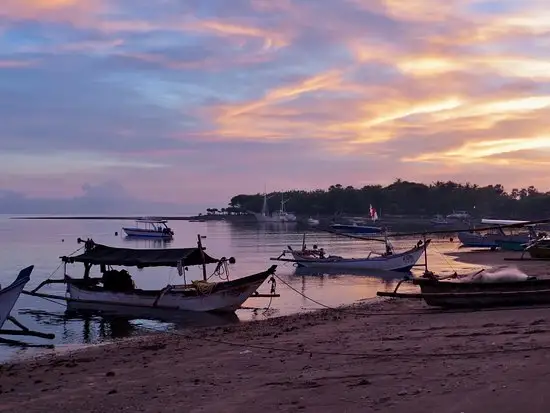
[10,294]
[117,286]
[150,228]
[388,261]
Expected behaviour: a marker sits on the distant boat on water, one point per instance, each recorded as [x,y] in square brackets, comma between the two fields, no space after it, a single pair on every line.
[150,228]
[356,228]
[280,216]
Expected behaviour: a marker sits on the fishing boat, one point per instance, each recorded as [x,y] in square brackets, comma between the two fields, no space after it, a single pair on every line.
[149,228]
[115,286]
[312,222]
[8,297]
[355,227]
[387,261]
[496,237]
[484,292]
[280,216]
[500,288]
[10,294]
[539,248]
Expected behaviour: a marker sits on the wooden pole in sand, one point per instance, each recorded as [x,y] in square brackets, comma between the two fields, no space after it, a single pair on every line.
[425,255]
[199,244]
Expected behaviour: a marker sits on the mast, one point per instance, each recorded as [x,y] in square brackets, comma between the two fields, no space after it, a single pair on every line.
[199,244]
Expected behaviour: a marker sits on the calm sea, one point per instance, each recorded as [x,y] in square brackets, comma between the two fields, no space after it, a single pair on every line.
[42,242]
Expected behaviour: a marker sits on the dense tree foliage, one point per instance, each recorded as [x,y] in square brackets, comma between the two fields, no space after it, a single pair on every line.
[409,198]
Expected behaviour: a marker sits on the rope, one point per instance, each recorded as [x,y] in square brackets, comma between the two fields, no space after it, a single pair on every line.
[373,355]
[419,312]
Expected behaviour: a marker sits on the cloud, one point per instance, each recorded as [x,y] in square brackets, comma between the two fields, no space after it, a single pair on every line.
[208,98]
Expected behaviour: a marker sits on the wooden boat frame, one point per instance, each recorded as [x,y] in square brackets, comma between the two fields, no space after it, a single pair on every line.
[198,296]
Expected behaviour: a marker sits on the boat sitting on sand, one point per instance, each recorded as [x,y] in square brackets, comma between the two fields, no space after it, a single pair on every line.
[150,228]
[484,288]
[117,287]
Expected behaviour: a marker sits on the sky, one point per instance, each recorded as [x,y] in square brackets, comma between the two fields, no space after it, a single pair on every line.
[194,101]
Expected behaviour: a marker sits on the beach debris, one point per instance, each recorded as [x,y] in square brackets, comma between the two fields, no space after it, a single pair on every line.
[245,352]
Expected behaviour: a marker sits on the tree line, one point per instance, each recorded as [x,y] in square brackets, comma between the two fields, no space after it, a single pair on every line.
[407,198]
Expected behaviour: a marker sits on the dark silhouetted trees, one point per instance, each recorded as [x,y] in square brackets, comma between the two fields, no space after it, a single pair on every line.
[409,198]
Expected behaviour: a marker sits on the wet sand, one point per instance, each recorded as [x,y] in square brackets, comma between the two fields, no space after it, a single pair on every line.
[487,258]
[393,356]
[387,356]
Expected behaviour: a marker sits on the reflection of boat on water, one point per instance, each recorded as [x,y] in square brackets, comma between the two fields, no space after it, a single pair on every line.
[149,228]
[117,286]
[77,310]
[374,273]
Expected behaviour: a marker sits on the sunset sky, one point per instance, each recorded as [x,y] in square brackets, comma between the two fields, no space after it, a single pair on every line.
[198,100]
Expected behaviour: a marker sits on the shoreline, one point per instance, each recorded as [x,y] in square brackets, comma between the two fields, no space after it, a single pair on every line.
[383,355]
[389,355]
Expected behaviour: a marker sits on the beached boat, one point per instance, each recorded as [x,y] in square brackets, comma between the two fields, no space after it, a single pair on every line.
[497,287]
[387,261]
[484,292]
[149,228]
[539,249]
[496,237]
[117,287]
[10,294]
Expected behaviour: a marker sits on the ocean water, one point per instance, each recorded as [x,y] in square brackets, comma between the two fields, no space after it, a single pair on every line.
[42,242]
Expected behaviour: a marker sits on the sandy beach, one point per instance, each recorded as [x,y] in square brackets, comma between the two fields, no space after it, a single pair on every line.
[388,356]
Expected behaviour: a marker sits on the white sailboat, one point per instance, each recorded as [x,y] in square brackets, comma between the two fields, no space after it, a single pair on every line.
[279,216]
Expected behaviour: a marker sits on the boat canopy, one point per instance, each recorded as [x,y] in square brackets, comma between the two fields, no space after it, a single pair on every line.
[98,254]
[505,222]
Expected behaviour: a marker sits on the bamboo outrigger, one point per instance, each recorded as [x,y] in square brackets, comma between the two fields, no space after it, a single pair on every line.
[479,289]
[116,287]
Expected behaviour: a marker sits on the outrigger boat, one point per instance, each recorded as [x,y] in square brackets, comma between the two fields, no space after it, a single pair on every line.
[497,238]
[8,298]
[539,249]
[388,260]
[117,287]
[150,228]
[477,291]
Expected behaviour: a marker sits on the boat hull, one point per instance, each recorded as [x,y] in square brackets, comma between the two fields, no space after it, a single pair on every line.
[146,233]
[510,245]
[475,240]
[491,294]
[224,297]
[397,262]
[541,253]
[10,294]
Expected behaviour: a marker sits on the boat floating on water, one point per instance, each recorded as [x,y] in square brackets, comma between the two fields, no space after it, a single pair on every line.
[387,261]
[117,287]
[150,228]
